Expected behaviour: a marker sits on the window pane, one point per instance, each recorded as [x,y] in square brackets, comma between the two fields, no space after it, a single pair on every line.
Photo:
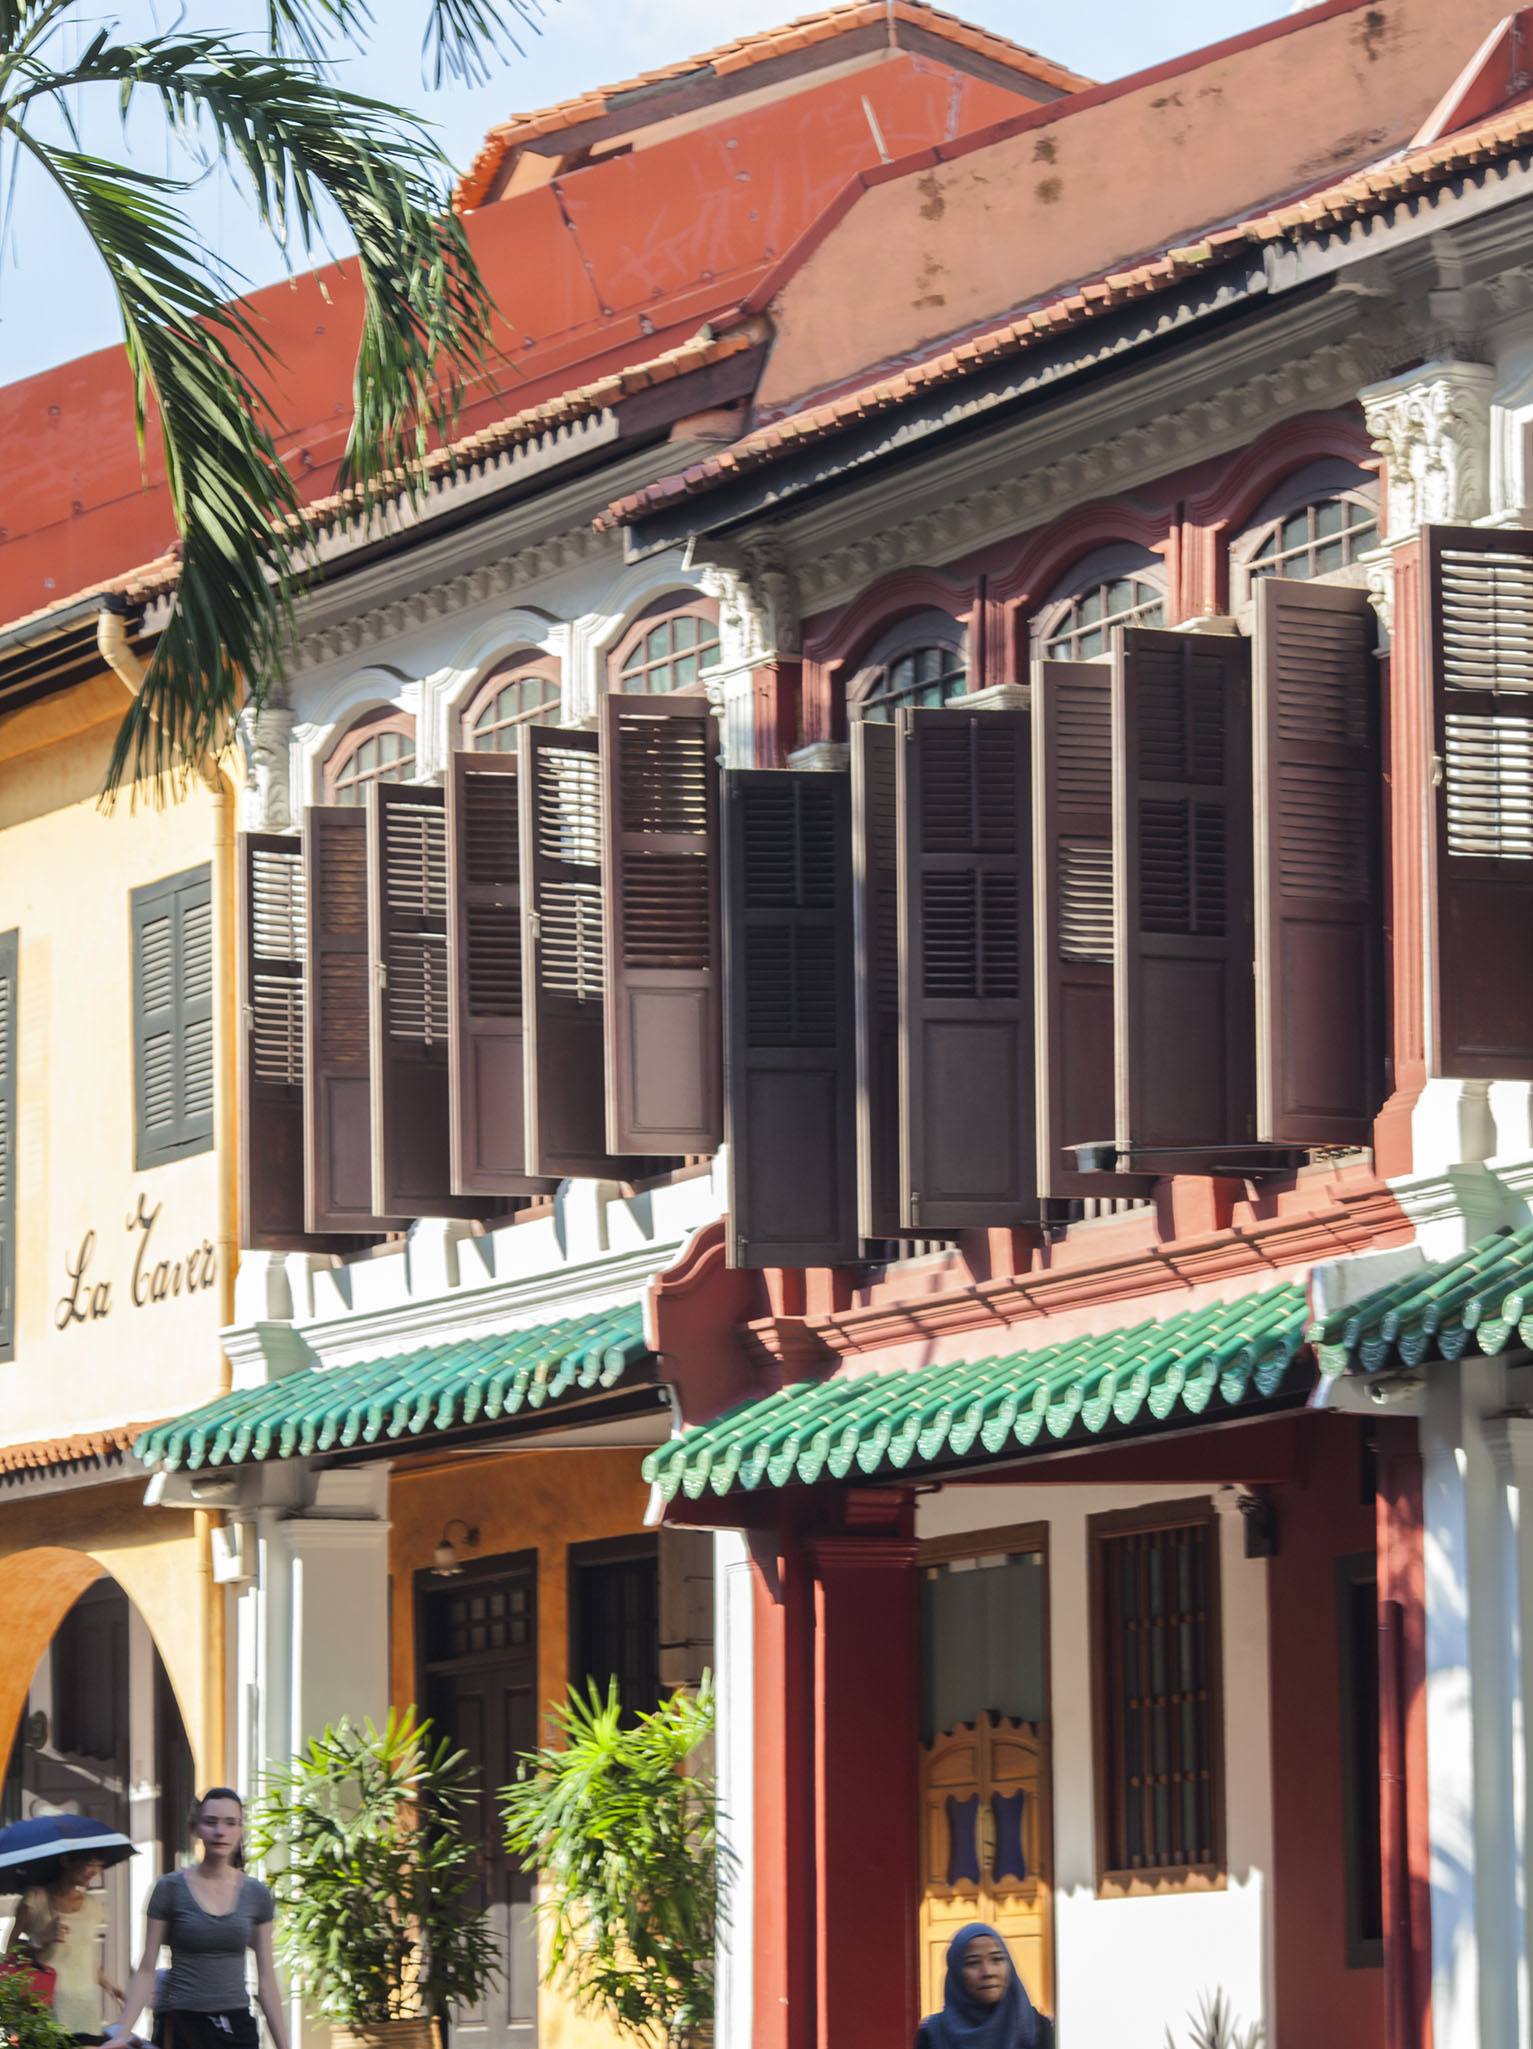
[1329,517]
[684,630]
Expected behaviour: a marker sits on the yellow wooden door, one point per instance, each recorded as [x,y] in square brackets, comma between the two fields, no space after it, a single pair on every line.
[986,1848]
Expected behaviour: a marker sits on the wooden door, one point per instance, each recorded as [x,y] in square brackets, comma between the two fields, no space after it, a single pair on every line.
[479,1632]
[987,1849]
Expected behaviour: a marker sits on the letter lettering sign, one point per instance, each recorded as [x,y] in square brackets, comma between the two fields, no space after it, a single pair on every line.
[151,1278]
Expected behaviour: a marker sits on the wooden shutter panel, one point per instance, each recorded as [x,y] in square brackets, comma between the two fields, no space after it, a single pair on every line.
[562,973]
[876,923]
[1319,923]
[790,1065]
[269,917]
[968,1144]
[659,759]
[1186,1066]
[1481,597]
[172,928]
[337,1065]
[9,951]
[486,1081]
[408,1009]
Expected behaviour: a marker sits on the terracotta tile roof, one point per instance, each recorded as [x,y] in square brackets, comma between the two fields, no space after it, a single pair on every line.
[156,579]
[740,55]
[1362,193]
[58,1454]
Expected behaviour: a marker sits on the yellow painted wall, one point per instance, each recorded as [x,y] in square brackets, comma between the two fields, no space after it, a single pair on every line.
[523,1501]
[66,871]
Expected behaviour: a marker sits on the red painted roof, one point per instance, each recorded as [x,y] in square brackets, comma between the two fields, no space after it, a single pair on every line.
[609,266]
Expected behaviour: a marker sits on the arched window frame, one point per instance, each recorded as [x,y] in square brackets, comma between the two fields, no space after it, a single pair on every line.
[674,604]
[1115,562]
[928,628]
[524,665]
[1330,480]
[368,725]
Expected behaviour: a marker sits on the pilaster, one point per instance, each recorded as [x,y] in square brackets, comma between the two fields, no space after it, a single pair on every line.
[759,646]
[266,737]
[1432,427]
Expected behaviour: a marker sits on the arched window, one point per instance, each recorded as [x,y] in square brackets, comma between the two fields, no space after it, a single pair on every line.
[922,661]
[1123,585]
[667,647]
[1317,521]
[520,691]
[378,747]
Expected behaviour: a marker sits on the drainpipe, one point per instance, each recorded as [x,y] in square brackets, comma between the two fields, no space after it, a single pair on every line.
[129,667]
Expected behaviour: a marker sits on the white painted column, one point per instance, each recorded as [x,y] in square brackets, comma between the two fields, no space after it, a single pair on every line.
[130,1895]
[734,1670]
[1510,1442]
[338,1641]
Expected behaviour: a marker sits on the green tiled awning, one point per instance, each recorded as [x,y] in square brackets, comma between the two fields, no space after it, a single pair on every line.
[439,1387]
[1483,1300]
[1201,1364]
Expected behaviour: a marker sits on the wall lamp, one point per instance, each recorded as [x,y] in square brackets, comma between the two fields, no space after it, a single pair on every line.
[446,1563]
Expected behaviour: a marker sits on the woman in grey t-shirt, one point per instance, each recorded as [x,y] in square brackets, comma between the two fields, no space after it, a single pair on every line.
[210,1916]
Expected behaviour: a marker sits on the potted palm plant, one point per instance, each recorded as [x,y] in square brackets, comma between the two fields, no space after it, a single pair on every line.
[363,1837]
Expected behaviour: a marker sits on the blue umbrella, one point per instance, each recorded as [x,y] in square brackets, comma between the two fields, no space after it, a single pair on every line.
[46,1838]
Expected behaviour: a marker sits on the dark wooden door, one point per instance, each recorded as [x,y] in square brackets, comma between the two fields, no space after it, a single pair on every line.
[479,1640]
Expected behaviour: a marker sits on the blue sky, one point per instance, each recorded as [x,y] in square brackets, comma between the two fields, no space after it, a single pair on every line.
[54,303]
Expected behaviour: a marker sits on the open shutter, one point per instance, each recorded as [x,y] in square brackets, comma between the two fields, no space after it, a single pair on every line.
[337,1066]
[488,1116]
[660,854]
[1186,1065]
[408,1012]
[790,1065]
[9,949]
[1319,924]
[968,1144]
[1481,585]
[562,976]
[269,886]
[876,922]
[1072,924]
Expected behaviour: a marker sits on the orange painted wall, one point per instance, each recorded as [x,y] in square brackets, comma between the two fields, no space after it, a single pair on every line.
[969,234]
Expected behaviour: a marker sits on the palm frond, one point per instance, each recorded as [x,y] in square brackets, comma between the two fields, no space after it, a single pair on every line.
[462,35]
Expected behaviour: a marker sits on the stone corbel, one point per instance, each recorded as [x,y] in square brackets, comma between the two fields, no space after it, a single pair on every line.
[1432,427]
[266,738]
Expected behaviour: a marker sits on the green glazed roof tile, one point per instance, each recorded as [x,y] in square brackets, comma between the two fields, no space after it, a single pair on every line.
[438,1387]
[1480,1301]
[1229,1354]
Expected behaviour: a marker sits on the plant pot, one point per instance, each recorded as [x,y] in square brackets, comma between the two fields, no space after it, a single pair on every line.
[405,2034]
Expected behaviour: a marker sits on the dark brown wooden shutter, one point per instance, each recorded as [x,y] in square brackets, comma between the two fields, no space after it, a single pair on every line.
[1073,924]
[1319,924]
[409,1017]
[968,1130]
[660,851]
[337,1087]
[9,952]
[876,921]
[562,972]
[1186,1061]
[486,1056]
[1481,597]
[269,890]
[789,1018]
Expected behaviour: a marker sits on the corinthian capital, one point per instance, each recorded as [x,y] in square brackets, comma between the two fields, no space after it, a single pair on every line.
[1432,427]
[758,601]
[266,803]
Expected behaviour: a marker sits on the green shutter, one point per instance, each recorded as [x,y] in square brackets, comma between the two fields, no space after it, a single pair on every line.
[8,1146]
[173,1017]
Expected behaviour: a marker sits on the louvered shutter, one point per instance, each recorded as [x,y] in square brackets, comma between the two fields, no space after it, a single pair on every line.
[1073,923]
[172,930]
[968,1129]
[484,966]
[1481,596]
[409,1011]
[876,922]
[1319,924]
[562,973]
[790,1065]
[337,1086]
[1185,1039]
[9,952]
[660,853]
[270,963]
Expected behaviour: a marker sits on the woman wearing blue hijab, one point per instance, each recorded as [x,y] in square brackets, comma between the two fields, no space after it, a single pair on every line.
[984,2003]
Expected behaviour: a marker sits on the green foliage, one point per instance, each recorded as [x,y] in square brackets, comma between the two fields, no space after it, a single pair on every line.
[626,1841]
[1214,2027]
[372,1870]
[25,2023]
[276,117]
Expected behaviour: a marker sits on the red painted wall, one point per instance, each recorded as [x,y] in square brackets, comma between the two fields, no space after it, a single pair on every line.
[1316,1998]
